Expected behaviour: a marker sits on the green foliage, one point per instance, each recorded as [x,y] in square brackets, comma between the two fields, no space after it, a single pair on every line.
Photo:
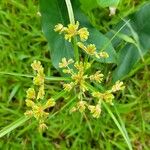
[138,28]
[91,4]
[21,41]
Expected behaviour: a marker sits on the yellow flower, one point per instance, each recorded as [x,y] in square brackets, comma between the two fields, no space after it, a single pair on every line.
[71,31]
[118,86]
[95,110]
[65,63]
[39,113]
[68,86]
[50,103]
[30,93]
[29,113]
[103,55]
[83,33]
[36,65]
[39,79]
[59,28]
[41,92]
[89,49]
[81,105]
[29,103]
[98,77]
[42,127]
[107,96]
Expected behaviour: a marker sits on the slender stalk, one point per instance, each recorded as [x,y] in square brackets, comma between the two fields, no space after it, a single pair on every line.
[76,51]
[31,76]
[72,21]
[70,11]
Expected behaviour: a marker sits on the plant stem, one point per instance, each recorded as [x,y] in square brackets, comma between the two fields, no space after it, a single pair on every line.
[72,21]
[31,76]
[76,51]
[70,11]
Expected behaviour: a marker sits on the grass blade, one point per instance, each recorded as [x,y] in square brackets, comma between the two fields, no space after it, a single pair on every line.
[13,126]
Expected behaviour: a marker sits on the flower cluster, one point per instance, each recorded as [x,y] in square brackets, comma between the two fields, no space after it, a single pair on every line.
[71,31]
[91,50]
[35,100]
[79,74]
[79,80]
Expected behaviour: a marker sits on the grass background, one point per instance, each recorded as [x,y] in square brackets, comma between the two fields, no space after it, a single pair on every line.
[22,41]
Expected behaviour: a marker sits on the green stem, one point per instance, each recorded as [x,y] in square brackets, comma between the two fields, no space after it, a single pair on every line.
[31,76]
[72,21]
[70,11]
[76,51]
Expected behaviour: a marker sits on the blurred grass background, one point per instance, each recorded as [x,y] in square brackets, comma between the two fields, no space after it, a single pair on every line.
[22,41]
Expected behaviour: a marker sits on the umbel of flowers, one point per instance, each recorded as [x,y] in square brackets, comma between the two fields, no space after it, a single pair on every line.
[35,97]
[80,78]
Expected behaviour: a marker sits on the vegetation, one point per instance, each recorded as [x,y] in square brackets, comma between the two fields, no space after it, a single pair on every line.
[99,111]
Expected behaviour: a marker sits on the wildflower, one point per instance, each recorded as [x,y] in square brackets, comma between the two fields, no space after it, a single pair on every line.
[106,96]
[29,103]
[118,86]
[28,113]
[59,28]
[68,86]
[83,33]
[103,55]
[98,77]
[81,105]
[36,65]
[65,63]
[39,79]
[95,110]
[30,93]
[41,92]
[71,31]
[50,103]
[42,127]
[89,49]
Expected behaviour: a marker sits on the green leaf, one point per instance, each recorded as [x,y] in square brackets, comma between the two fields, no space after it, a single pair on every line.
[130,54]
[54,12]
[13,126]
[107,3]
[91,4]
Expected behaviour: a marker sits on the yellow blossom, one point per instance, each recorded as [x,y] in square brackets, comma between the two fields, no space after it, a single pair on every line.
[95,110]
[71,31]
[83,33]
[65,63]
[103,55]
[98,77]
[30,93]
[41,92]
[36,65]
[118,86]
[59,28]
[68,86]
[39,79]
[107,96]
[38,112]
[50,103]
[89,49]
[29,103]
[28,113]
[81,105]
[42,127]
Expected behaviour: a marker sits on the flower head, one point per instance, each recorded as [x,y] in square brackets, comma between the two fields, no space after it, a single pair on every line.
[98,77]
[95,110]
[118,86]
[83,33]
